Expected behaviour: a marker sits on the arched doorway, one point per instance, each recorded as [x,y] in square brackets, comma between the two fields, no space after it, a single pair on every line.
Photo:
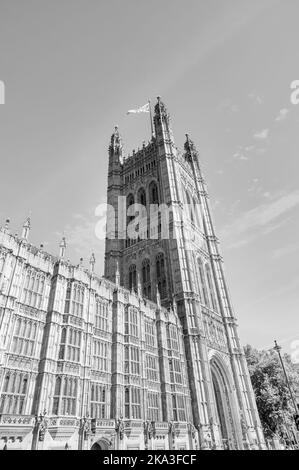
[220,410]
[96,446]
[101,444]
[223,405]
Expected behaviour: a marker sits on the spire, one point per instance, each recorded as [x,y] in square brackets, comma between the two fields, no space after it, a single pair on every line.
[163,131]
[116,143]
[26,228]
[190,150]
[92,262]
[62,248]
[160,107]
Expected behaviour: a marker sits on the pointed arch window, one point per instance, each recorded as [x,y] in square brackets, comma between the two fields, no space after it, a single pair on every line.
[98,401]
[161,275]
[77,300]
[141,197]
[101,315]
[189,204]
[211,287]
[24,338]
[101,355]
[150,333]
[203,286]
[172,338]
[15,387]
[132,403]
[68,298]
[153,406]
[33,289]
[131,322]
[146,278]
[2,261]
[178,408]
[196,212]
[133,277]
[130,202]
[69,396]
[130,218]
[153,193]
[74,345]
[55,408]
[62,344]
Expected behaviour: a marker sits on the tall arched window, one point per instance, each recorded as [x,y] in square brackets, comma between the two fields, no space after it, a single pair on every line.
[99,401]
[68,298]
[62,344]
[24,337]
[55,408]
[133,277]
[142,214]
[203,286]
[153,193]
[12,399]
[189,206]
[211,287]
[141,197]
[161,275]
[196,212]
[130,202]
[57,386]
[69,396]
[2,261]
[146,278]
[77,300]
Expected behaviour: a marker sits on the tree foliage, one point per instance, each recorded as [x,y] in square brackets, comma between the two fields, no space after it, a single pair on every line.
[273,399]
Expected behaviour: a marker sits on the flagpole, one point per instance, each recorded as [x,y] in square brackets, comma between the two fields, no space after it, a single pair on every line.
[151,119]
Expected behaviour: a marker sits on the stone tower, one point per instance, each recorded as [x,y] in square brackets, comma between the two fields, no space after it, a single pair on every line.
[161,244]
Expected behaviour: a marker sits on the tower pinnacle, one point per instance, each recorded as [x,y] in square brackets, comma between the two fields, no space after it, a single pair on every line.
[62,248]
[116,143]
[92,262]
[26,228]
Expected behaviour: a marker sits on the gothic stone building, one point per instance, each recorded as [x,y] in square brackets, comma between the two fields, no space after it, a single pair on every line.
[147,357]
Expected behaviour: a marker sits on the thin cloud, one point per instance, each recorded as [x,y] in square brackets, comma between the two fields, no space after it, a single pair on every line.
[240,156]
[293,285]
[285,250]
[254,186]
[228,105]
[262,135]
[282,115]
[259,221]
[241,153]
[253,96]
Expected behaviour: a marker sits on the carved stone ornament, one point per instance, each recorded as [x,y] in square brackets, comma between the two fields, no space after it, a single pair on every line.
[41,425]
[85,427]
[119,428]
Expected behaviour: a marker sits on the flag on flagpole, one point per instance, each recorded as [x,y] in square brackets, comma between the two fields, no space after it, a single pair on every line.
[142,109]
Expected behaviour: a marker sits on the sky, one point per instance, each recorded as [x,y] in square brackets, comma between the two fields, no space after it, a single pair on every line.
[223,68]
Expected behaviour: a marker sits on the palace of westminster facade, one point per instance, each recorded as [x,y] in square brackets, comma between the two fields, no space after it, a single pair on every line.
[146,357]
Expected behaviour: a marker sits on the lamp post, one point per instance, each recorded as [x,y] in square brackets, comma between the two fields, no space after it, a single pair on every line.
[278,349]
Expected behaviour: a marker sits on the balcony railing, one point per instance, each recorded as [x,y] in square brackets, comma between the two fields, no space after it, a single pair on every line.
[16,420]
